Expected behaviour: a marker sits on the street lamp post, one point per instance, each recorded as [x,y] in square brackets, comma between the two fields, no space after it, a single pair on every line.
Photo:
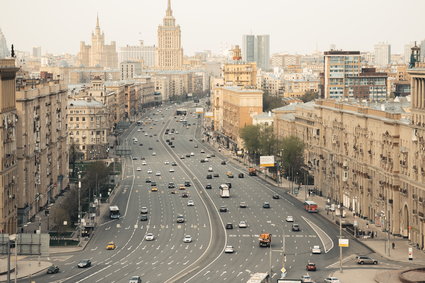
[340,237]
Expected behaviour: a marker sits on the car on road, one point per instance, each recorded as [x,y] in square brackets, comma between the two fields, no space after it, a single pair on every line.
[223,208]
[149,171]
[144,217]
[276,196]
[53,269]
[144,163]
[149,237]
[182,157]
[266,204]
[153,184]
[223,162]
[148,180]
[138,169]
[154,153]
[150,148]
[241,175]
[209,176]
[173,164]
[111,246]
[242,204]
[289,218]
[331,280]
[187,184]
[208,187]
[202,160]
[182,187]
[242,224]
[366,260]
[316,250]
[180,218]
[192,154]
[311,266]
[306,279]
[295,227]
[166,162]
[144,210]
[196,146]
[229,174]
[190,203]
[134,158]
[185,195]
[171,170]
[171,185]
[158,173]
[187,239]
[84,263]
[135,279]
[154,189]
[202,151]
[216,175]
[229,250]
[188,155]
[206,160]
[210,169]
[229,226]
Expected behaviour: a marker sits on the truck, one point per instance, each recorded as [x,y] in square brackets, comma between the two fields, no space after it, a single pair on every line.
[252,171]
[265,240]
[224,191]
[259,278]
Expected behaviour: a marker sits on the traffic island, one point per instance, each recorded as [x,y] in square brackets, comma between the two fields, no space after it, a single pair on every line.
[413,276]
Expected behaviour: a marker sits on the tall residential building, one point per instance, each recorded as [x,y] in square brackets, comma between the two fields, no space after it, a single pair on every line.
[42,145]
[141,52]
[169,54]
[8,150]
[98,53]
[382,54]
[4,52]
[130,69]
[256,48]
[36,51]
[339,65]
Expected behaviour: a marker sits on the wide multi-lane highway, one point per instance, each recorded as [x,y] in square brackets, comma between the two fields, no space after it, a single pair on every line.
[167,258]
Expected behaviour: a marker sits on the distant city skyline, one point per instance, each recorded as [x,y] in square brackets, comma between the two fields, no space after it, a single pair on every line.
[294,26]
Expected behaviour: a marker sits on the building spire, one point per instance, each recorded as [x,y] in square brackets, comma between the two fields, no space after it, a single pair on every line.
[97,21]
[169,11]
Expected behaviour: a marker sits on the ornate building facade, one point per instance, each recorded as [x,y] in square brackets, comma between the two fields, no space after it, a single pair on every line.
[98,53]
[169,54]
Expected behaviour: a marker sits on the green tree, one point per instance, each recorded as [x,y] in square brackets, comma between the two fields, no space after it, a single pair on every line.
[268,141]
[292,155]
[251,137]
[309,96]
[271,102]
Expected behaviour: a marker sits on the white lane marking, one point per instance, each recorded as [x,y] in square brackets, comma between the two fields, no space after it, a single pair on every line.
[94,273]
[326,240]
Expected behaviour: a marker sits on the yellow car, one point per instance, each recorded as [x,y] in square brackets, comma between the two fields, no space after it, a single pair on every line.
[229,174]
[182,187]
[154,189]
[111,246]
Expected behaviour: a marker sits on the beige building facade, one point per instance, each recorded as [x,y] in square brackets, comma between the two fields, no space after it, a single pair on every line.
[8,148]
[42,147]
[169,53]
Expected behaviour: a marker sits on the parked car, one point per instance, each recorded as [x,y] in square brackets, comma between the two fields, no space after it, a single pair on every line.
[366,260]
[331,280]
[53,269]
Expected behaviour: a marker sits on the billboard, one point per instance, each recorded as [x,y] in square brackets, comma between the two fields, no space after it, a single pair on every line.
[209,115]
[199,110]
[267,161]
[343,243]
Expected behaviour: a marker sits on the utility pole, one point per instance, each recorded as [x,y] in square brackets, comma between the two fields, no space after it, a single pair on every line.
[270,253]
[79,207]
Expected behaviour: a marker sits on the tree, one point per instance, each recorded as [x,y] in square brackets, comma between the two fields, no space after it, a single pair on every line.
[268,141]
[309,95]
[292,155]
[271,102]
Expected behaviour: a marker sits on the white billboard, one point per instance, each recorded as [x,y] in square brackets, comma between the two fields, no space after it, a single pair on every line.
[199,110]
[209,115]
[267,161]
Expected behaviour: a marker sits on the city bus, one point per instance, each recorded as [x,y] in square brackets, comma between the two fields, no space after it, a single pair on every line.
[114,212]
[310,206]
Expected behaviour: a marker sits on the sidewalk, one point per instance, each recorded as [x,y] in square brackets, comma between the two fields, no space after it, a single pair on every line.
[26,268]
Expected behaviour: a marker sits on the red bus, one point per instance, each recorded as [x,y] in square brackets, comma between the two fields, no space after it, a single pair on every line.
[310,206]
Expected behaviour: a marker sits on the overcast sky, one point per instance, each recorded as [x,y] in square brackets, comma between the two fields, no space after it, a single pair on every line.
[295,26]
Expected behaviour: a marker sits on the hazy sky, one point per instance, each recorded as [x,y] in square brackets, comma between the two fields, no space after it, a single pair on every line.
[295,26]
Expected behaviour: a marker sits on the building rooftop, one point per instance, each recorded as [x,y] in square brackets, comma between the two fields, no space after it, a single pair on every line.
[85,103]
[242,90]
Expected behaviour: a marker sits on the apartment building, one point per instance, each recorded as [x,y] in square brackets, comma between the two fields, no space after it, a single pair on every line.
[270,83]
[42,147]
[89,127]
[338,66]
[239,73]
[239,105]
[8,152]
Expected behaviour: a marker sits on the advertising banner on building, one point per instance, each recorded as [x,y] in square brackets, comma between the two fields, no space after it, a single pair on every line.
[199,110]
[267,161]
[209,115]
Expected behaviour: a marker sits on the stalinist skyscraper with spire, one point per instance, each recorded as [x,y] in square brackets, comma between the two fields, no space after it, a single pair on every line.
[98,54]
[169,53]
